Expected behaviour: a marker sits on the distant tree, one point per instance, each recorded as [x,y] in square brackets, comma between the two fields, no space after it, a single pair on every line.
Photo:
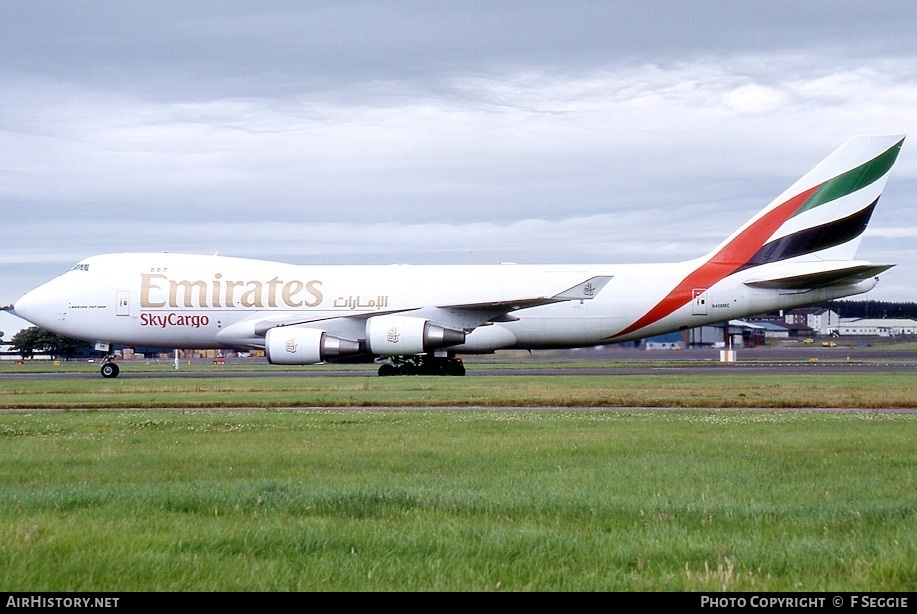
[34,339]
[27,341]
[68,347]
[872,309]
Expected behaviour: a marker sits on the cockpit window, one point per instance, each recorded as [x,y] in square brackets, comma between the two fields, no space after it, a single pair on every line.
[80,267]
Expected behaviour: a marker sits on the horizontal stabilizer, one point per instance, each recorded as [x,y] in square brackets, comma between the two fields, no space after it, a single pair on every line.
[839,276]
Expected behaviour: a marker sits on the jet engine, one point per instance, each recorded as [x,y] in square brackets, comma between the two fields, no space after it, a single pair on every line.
[397,335]
[293,345]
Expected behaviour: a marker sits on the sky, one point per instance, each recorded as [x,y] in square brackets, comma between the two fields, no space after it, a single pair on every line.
[436,132]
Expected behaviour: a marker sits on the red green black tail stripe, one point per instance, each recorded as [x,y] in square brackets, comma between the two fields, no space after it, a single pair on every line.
[813,239]
[854,179]
[748,248]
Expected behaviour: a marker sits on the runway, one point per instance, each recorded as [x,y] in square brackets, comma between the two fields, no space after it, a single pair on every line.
[602,364]
[593,361]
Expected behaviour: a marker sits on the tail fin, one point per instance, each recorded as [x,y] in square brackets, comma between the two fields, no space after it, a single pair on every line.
[820,217]
[807,236]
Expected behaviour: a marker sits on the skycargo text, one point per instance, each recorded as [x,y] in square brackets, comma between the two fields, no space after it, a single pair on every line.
[173,319]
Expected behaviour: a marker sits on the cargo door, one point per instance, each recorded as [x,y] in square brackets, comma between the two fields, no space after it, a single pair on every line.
[700,301]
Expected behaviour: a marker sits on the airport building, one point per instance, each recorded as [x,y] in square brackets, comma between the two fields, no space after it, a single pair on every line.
[820,320]
[880,327]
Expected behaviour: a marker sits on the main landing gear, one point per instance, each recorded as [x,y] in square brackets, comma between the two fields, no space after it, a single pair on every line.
[422,365]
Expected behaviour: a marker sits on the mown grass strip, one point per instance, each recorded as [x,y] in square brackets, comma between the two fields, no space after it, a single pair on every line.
[811,389]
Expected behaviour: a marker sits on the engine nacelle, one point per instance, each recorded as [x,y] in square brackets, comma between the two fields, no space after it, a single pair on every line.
[396,335]
[292,345]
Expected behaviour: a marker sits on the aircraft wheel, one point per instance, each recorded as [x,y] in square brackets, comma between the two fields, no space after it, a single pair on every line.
[387,369]
[110,369]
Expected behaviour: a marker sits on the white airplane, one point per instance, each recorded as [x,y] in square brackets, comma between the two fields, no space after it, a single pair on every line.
[796,251]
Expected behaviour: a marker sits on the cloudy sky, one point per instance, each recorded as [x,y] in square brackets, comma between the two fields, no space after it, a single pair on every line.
[441,132]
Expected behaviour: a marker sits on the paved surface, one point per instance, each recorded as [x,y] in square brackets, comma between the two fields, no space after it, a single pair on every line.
[627,361]
[630,361]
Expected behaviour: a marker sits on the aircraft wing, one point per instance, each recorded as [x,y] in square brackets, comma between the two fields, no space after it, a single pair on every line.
[464,316]
[820,277]
[471,315]
[585,290]
[468,316]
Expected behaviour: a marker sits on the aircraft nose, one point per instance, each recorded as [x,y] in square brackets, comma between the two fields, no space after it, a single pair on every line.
[38,306]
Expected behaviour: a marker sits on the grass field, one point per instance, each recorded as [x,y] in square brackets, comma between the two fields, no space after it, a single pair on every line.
[457,500]
[804,390]
[588,489]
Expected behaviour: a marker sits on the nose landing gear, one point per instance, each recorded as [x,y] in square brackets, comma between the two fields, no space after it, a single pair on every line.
[109,368]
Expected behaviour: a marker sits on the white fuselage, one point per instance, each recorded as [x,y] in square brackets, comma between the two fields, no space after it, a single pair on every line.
[192,301]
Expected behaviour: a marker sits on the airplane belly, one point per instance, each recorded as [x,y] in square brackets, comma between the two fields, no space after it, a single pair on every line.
[485,339]
[183,329]
[164,330]
[564,325]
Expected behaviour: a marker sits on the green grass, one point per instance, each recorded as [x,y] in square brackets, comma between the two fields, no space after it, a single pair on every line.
[455,500]
[806,389]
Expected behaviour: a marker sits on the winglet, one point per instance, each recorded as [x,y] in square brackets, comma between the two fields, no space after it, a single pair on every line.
[584,291]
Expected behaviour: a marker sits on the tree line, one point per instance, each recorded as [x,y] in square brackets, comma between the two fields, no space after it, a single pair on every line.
[871,309]
[35,340]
